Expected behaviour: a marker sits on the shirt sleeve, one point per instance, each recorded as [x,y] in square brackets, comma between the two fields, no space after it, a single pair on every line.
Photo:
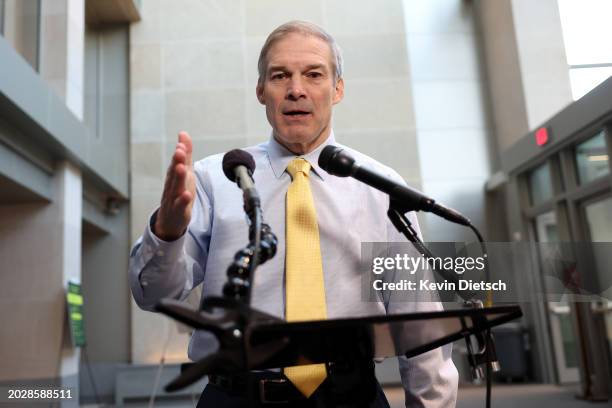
[160,269]
[429,379]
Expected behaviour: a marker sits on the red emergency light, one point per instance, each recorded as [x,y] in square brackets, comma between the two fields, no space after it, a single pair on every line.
[541,136]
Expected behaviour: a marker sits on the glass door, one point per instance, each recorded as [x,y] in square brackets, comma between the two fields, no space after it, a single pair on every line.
[562,329]
[598,220]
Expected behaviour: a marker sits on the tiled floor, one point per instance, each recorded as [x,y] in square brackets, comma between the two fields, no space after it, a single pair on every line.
[511,396]
[503,396]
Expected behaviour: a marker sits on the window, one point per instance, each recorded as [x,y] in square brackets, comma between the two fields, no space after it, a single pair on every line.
[586,33]
[540,185]
[592,161]
[599,221]
[546,227]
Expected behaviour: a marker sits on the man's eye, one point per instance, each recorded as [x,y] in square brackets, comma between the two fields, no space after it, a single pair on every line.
[279,75]
[314,75]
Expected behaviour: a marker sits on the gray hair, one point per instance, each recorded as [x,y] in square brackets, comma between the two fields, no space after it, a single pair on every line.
[305,28]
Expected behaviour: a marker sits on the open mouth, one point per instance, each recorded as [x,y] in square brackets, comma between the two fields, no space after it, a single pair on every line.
[296,113]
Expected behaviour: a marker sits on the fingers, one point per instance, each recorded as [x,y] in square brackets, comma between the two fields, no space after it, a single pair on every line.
[175,176]
[179,191]
[178,181]
[182,164]
[177,157]
[185,140]
[182,155]
[177,173]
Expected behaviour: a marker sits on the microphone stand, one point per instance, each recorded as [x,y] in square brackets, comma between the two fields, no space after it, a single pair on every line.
[227,316]
[261,247]
[486,354]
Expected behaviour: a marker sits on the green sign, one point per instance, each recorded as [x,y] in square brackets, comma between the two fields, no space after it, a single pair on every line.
[75,314]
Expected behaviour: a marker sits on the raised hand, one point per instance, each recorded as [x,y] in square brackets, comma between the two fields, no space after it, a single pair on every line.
[179,192]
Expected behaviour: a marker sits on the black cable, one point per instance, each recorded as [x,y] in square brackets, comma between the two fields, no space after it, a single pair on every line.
[402,224]
[90,374]
[488,339]
[487,270]
[478,235]
[488,370]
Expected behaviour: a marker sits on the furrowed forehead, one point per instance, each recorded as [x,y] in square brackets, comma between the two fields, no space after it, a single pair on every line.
[299,50]
[308,67]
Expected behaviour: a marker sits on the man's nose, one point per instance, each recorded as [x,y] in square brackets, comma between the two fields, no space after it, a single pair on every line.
[295,89]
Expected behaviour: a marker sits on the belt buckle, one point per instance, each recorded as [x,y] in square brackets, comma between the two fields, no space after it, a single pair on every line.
[262,390]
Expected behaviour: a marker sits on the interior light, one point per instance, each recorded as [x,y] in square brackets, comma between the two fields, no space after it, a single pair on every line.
[599,157]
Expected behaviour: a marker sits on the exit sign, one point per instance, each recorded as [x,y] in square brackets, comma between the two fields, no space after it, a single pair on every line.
[541,136]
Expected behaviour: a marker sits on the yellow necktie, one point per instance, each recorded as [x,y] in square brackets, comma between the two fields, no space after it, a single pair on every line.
[305,296]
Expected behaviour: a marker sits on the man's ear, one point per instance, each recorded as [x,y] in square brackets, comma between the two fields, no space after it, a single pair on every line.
[259,91]
[338,91]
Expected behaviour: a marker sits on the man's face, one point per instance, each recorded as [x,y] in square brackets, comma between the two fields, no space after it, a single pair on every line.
[299,91]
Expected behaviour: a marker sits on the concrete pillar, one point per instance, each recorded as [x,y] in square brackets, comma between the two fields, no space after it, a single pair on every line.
[525,63]
[70,202]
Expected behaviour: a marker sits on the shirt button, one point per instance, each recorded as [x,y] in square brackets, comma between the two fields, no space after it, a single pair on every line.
[144,284]
[159,253]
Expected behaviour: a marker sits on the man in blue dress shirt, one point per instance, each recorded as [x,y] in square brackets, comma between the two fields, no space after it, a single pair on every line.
[192,237]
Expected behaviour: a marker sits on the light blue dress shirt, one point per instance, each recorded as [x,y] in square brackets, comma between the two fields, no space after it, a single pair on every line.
[348,212]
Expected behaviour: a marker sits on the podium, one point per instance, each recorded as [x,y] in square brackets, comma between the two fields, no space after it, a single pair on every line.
[252,340]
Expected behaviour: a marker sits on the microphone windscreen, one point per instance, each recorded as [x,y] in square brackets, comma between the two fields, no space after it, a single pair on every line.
[336,161]
[326,156]
[235,158]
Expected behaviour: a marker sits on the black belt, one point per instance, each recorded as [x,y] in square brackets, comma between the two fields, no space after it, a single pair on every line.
[269,387]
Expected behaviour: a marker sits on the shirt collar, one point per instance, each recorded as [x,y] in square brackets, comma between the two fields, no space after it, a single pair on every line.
[280,157]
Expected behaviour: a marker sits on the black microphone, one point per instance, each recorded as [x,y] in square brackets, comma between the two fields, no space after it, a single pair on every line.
[338,162]
[239,166]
